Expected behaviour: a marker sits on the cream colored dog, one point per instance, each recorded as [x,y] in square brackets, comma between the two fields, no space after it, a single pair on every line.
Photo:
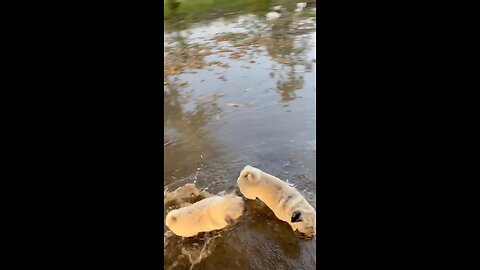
[285,201]
[213,213]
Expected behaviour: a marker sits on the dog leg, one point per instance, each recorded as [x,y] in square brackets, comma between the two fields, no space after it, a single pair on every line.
[249,196]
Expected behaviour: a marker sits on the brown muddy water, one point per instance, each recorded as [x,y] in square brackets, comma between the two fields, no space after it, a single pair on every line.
[239,89]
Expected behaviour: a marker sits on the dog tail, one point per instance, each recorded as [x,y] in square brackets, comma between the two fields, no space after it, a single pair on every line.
[252,174]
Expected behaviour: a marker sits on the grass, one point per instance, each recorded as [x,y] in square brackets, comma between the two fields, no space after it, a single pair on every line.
[197,8]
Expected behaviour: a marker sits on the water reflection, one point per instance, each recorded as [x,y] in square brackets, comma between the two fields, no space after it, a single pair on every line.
[282,39]
[187,128]
[288,49]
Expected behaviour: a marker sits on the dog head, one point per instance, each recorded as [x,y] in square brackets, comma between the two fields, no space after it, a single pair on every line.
[304,220]
[189,190]
[233,207]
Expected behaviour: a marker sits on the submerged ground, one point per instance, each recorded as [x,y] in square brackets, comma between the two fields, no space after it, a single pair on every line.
[239,89]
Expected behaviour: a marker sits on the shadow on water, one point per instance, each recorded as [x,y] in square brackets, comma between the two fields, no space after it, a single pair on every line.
[240,89]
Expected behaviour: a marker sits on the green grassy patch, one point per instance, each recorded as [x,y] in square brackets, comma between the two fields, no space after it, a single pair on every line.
[183,9]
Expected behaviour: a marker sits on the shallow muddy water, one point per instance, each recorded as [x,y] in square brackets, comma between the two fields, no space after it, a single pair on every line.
[239,89]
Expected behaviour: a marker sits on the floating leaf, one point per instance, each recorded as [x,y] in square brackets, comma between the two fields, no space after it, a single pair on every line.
[233,104]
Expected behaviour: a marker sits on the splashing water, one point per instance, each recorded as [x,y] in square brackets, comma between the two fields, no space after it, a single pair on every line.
[197,248]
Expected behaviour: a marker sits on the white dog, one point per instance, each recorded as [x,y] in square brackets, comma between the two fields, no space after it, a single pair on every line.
[213,213]
[285,201]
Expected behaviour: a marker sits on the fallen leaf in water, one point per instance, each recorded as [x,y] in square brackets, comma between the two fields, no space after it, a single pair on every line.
[165,82]
[233,104]
[220,64]
[252,62]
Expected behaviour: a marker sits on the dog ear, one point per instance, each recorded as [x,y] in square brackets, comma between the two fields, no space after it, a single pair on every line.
[229,217]
[229,220]
[296,216]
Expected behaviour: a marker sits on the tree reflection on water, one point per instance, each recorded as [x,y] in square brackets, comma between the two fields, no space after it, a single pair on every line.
[188,129]
[282,39]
